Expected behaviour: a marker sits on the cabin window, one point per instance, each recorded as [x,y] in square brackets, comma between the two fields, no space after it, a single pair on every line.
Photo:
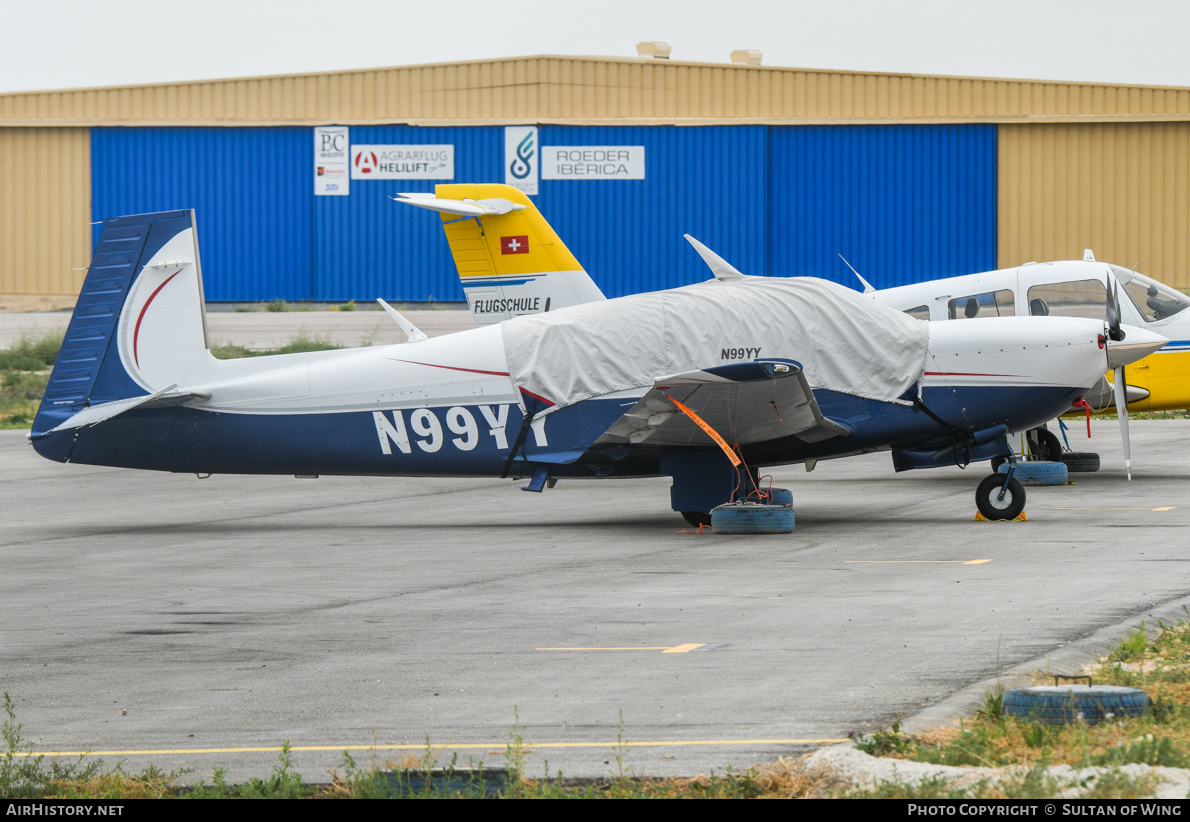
[1081,298]
[922,312]
[989,304]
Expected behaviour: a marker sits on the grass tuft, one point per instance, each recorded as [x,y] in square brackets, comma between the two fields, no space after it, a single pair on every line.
[1158,663]
[303,342]
[25,370]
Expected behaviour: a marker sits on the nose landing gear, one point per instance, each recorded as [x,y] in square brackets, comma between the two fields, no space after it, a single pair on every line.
[1000,496]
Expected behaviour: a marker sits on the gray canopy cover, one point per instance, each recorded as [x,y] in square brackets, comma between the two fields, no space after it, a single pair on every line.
[844,341]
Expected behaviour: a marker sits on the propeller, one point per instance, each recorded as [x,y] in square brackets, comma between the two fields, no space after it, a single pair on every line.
[1116,334]
[1140,343]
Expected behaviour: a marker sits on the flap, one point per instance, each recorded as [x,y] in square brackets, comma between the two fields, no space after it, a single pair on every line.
[745,403]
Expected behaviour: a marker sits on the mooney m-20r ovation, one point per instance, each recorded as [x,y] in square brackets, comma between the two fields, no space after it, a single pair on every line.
[706,384]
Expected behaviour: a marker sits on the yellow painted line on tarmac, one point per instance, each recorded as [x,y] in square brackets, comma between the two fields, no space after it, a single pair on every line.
[915,561]
[1166,508]
[665,649]
[683,649]
[503,745]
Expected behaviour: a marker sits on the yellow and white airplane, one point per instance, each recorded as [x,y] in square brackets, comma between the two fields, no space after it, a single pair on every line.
[510,261]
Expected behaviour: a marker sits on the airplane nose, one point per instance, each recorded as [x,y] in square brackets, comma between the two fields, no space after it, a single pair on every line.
[1137,343]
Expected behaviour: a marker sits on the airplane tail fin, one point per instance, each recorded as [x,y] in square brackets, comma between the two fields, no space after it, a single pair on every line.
[510,261]
[138,329]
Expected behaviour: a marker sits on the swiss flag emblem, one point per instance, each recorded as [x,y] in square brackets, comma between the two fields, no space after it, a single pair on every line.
[514,245]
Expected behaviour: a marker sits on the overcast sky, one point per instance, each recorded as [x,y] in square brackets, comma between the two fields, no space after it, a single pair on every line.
[72,43]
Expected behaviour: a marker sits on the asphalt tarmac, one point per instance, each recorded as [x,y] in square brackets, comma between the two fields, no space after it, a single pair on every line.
[202,623]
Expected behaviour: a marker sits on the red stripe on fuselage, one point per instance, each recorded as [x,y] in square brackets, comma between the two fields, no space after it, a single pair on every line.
[455,368]
[537,397]
[965,374]
[136,331]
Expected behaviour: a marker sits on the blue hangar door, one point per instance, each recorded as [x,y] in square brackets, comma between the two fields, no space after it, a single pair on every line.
[901,203]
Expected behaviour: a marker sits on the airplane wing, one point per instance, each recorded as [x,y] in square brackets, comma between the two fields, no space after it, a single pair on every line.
[745,403]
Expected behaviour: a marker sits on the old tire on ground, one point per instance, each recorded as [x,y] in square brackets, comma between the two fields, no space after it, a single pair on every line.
[748,518]
[1039,473]
[774,496]
[1063,704]
[995,509]
[697,518]
[1080,462]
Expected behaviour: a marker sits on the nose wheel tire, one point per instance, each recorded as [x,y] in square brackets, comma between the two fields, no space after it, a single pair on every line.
[988,503]
[698,519]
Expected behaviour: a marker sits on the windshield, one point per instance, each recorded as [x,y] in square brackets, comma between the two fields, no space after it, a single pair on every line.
[1155,301]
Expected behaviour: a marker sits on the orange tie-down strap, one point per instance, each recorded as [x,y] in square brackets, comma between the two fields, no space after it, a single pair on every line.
[711,432]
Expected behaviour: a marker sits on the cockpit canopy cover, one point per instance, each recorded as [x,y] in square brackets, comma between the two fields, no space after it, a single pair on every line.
[845,342]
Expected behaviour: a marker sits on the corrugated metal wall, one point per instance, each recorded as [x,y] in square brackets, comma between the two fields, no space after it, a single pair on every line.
[45,184]
[627,233]
[1068,178]
[588,90]
[368,246]
[706,182]
[902,203]
[251,187]
[1122,190]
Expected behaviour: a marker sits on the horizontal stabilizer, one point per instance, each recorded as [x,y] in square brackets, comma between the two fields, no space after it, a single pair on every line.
[463,208]
[164,397]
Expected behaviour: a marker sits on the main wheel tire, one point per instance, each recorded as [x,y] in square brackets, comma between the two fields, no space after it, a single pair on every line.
[1049,447]
[698,519]
[1063,704]
[996,509]
[747,518]
[1039,473]
[1080,462]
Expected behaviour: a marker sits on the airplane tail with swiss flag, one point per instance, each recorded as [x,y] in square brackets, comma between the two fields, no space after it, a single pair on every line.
[510,261]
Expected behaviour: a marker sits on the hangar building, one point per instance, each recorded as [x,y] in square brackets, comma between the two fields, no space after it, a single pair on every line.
[779,170]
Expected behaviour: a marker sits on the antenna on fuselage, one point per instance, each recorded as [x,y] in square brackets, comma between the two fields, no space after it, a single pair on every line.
[412,332]
[867,285]
[721,268]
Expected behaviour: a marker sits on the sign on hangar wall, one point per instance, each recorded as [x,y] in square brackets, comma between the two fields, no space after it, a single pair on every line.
[899,202]
[524,162]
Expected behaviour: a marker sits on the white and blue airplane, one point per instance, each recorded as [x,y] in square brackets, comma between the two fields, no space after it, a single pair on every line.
[706,384]
[1072,288]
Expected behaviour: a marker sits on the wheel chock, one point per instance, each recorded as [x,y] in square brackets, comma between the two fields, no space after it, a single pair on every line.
[981,518]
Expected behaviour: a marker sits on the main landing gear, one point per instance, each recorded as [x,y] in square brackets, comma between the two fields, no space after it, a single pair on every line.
[1046,447]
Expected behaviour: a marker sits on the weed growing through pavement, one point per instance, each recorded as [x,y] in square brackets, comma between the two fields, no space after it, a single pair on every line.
[1156,662]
